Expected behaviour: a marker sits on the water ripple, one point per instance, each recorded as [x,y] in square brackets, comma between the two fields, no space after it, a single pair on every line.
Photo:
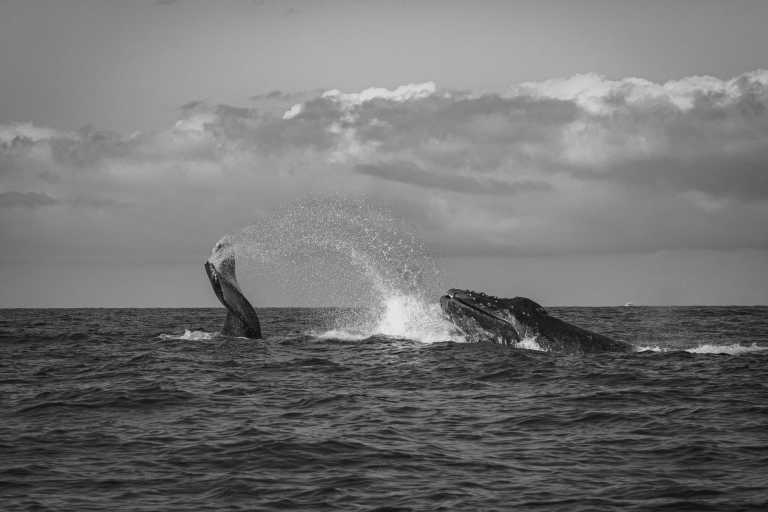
[101,412]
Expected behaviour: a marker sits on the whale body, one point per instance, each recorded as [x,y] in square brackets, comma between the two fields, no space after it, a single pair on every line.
[484,318]
[241,319]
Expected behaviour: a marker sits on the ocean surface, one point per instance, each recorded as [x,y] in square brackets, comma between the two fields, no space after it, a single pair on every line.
[150,409]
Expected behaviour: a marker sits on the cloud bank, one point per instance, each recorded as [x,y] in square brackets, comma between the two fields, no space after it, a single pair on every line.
[580,164]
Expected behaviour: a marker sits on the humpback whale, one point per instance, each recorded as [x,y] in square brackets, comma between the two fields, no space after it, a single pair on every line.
[484,318]
[241,318]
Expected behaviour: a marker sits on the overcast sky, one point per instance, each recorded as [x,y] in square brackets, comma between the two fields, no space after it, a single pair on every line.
[591,152]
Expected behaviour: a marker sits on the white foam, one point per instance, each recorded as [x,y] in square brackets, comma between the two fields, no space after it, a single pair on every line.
[708,348]
[190,336]
[401,316]
[408,316]
[529,344]
[725,349]
[649,348]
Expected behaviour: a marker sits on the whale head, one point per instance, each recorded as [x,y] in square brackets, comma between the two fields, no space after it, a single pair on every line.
[483,317]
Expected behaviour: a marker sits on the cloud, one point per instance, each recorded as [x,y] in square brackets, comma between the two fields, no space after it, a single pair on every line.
[405,172]
[27,132]
[25,199]
[293,111]
[599,95]
[576,164]
[39,199]
[192,105]
[398,95]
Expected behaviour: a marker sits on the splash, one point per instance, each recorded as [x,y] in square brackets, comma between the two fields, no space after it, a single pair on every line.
[339,252]
[398,316]
[529,344]
[708,348]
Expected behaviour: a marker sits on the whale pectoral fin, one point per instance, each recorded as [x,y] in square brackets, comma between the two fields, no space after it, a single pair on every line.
[241,317]
[234,326]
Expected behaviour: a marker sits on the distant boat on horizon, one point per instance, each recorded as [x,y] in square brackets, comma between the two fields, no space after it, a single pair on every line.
[628,304]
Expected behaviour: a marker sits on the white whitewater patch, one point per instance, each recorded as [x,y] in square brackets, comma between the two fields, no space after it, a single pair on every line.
[708,348]
[339,334]
[529,344]
[399,316]
[408,316]
[190,336]
[726,349]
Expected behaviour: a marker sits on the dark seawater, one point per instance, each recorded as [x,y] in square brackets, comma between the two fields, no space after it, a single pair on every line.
[118,409]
